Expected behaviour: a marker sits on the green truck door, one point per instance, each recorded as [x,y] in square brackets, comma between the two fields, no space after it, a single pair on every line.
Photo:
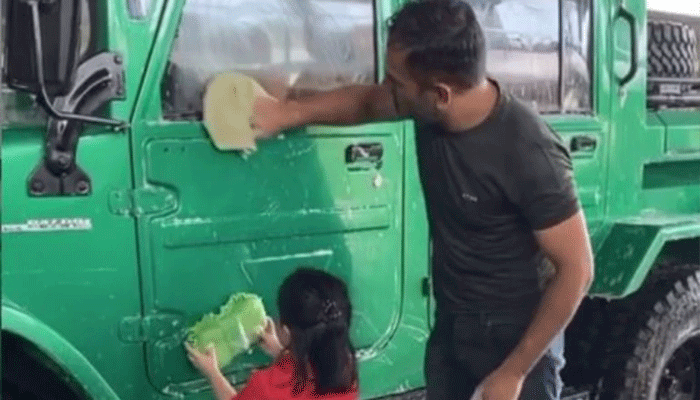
[213,223]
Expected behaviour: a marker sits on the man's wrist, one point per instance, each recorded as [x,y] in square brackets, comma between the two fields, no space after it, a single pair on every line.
[515,365]
[293,111]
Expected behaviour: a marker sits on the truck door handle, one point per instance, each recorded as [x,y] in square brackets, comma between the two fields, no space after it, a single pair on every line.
[629,17]
[583,143]
[364,152]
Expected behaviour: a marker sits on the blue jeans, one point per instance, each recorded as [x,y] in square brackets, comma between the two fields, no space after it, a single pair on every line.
[463,349]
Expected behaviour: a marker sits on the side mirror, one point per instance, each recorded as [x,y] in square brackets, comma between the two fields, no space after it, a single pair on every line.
[42,45]
[42,54]
[58,30]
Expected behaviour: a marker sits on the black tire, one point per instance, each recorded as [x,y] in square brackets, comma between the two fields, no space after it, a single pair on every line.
[584,338]
[672,50]
[28,375]
[654,338]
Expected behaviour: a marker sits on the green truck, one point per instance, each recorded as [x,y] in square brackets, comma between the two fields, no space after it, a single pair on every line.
[122,224]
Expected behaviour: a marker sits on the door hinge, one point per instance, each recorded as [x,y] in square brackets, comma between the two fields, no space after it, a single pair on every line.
[135,329]
[142,201]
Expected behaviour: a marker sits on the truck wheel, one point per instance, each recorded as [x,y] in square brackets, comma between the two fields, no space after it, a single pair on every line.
[672,50]
[660,357]
[25,376]
[584,338]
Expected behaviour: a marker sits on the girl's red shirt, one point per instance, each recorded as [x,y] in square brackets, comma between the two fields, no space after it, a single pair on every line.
[276,382]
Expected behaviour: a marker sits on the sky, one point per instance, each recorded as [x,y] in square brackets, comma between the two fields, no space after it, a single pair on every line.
[691,7]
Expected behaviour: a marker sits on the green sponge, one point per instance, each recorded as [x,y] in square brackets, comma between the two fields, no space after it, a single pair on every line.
[233,330]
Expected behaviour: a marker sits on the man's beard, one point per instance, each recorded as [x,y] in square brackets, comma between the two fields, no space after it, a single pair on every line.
[421,114]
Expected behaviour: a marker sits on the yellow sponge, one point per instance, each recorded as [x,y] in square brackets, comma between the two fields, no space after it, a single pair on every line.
[228,109]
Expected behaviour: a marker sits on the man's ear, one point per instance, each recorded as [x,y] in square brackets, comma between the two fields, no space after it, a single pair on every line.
[443,95]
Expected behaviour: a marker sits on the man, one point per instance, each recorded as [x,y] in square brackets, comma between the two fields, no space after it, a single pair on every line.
[501,201]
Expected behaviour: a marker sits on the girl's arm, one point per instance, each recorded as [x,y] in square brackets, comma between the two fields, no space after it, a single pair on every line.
[222,387]
[208,365]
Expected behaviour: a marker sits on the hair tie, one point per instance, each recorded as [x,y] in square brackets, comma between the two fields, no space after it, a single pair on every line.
[330,311]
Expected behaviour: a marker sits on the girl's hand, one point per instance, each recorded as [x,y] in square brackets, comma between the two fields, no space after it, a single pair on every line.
[269,341]
[206,363]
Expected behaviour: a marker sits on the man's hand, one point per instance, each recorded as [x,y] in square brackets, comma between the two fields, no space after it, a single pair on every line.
[270,116]
[500,385]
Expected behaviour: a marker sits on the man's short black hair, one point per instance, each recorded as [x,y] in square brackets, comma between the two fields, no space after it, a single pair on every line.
[444,42]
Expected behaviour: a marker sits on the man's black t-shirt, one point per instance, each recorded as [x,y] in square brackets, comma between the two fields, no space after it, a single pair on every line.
[487,189]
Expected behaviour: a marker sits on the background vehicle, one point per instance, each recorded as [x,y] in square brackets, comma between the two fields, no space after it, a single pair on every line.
[120,231]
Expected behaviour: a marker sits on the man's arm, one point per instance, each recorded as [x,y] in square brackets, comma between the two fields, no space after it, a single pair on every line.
[568,247]
[349,105]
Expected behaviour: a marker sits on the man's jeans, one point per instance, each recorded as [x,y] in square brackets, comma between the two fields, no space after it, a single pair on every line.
[463,349]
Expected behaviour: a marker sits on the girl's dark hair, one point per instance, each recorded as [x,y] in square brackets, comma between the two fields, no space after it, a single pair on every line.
[444,41]
[315,306]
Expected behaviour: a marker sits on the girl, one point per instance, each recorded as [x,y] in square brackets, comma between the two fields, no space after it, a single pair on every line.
[314,358]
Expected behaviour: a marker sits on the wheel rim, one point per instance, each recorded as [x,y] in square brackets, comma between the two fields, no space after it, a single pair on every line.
[680,377]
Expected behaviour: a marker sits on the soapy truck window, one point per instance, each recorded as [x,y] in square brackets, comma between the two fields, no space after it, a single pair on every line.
[302,44]
[139,9]
[539,51]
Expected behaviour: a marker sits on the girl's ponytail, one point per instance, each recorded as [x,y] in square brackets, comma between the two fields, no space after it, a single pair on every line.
[316,308]
[332,354]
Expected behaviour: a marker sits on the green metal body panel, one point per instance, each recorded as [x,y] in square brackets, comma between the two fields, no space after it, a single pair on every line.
[683,131]
[80,283]
[631,248]
[174,226]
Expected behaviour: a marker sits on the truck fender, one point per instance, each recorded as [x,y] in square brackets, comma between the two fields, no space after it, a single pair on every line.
[631,249]
[56,348]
